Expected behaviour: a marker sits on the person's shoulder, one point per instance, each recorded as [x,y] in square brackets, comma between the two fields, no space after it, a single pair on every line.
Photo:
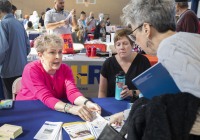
[66,12]
[141,57]
[180,40]
[169,40]
[34,65]
[190,13]
[185,36]
[110,60]
[50,12]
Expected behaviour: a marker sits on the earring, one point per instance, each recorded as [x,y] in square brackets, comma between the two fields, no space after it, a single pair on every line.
[149,43]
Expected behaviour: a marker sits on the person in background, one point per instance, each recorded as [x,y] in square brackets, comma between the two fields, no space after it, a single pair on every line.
[91,23]
[14,47]
[25,21]
[82,24]
[78,35]
[188,20]
[48,9]
[108,22]
[34,18]
[14,9]
[100,31]
[51,81]
[30,26]
[41,20]
[177,52]
[101,17]
[59,21]
[131,63]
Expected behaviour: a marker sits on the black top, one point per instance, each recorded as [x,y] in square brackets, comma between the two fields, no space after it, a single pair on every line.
[97,32]
[111,68]
[41,21]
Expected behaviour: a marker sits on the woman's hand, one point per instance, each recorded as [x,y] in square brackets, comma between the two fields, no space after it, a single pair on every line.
[93,107]
[82,111]
[125,92]
[117,118]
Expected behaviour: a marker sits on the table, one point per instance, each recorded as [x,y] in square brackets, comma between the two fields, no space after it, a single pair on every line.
[31,115]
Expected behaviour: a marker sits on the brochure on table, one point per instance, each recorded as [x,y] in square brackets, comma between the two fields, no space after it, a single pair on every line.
[76,130]
[50,131]
[88,130]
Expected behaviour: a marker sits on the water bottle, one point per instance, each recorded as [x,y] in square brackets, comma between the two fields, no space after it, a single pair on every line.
[120,82]
[110,53]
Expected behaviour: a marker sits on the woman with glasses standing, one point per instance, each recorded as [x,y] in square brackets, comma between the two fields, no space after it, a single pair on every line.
[131,63]
[154,27]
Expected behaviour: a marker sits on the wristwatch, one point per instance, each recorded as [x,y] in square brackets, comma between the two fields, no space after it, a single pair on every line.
[134,92]
[86,101]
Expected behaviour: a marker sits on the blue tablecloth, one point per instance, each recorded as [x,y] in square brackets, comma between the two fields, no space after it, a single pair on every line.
[31,115]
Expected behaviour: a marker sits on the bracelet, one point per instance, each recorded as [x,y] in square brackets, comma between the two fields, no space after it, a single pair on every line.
[67,108]
[86,102]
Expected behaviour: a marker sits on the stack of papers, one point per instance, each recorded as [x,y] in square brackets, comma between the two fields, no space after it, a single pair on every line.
[50,131]
[116,127]
[10,131]
[78,131]
[88,130]
[97,125]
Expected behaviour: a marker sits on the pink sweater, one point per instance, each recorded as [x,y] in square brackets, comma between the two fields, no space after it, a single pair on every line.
[38,84]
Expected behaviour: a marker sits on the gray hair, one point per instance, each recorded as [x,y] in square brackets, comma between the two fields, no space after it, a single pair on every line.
[158,13]
[42,42]
[5,6]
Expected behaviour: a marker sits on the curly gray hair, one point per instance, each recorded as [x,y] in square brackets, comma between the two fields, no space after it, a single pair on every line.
[42,42]
[159,13]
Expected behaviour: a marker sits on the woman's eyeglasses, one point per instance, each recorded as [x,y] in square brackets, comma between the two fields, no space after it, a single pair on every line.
[133,37]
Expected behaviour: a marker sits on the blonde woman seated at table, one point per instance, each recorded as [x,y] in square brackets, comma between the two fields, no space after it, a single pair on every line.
[131,63]
[49,81]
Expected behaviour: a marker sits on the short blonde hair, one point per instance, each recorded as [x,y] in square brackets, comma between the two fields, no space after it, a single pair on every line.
[42,42]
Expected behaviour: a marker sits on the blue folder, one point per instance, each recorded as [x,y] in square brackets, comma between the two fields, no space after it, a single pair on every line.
[155,81]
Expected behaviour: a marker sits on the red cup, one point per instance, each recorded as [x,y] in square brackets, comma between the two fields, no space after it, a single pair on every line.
[93,52]
[88,51]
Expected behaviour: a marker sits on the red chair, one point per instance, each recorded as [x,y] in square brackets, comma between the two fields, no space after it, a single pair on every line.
[152,59]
